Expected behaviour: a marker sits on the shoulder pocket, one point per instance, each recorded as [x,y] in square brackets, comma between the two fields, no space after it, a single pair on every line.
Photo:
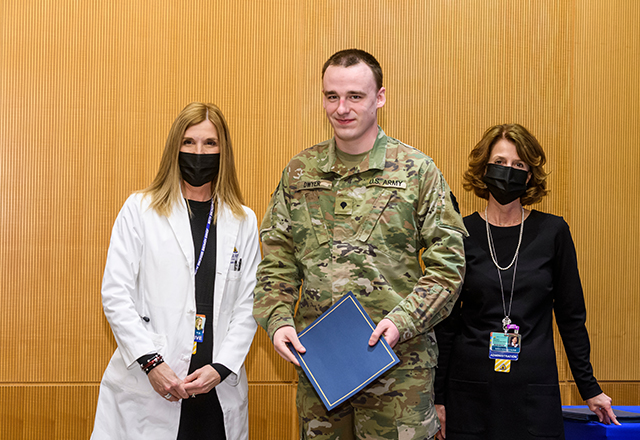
[311,200]
[389,226]
[378,207]
[307,215]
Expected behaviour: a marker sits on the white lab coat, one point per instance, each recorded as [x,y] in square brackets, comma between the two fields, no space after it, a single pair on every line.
[150,274]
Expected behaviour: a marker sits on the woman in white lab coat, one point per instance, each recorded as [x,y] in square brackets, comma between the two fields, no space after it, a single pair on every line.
[178,294]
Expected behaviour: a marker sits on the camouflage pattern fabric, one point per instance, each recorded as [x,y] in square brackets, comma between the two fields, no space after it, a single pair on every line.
[396,406]
[329,230]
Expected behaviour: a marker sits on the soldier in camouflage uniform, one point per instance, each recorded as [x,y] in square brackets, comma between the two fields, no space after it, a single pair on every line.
[353,214]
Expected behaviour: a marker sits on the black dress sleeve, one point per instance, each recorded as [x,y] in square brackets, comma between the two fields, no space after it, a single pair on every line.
[445,333]
[571,313]
[223,371]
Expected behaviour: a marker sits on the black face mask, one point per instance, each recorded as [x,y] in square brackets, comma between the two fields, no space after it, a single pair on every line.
[505,183]
[198,169]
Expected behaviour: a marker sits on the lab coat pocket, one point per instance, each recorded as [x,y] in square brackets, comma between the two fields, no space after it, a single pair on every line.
[119,378]
[234,379]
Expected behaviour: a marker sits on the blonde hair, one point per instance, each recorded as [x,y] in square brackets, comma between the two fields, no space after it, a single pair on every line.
[165,190]
[528,149]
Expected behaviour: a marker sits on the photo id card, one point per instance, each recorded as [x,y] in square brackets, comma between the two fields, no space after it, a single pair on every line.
[504,345]
[233,266]
[199,334]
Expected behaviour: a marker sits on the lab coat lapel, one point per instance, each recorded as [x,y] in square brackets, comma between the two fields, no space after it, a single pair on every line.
[181,227]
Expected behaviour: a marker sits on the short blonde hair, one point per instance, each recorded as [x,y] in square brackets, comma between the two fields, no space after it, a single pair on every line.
[165,190]
[527,147]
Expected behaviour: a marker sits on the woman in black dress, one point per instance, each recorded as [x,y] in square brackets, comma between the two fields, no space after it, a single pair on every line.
[497,376]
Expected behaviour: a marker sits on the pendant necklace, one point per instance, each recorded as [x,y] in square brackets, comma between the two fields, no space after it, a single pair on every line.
[504,347]
[514,262]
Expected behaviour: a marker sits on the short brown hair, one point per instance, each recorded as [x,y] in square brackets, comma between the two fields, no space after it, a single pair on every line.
[527,147]
[351,57]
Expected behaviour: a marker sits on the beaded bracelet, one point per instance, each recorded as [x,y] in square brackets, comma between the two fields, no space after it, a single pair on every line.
[152,363]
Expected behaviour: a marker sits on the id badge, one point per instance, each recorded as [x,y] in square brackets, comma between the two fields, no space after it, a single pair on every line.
[199,334]
[504,346]
[233,265]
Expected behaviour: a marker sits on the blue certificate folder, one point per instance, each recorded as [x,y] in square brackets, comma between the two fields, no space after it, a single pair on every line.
[338,361]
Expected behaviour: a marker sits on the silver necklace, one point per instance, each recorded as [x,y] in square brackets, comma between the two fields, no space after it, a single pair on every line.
[492,247]
[506,321]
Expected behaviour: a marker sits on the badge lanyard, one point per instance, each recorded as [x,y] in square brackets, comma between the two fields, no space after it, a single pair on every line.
[504,346]
[200,319]
[206,237]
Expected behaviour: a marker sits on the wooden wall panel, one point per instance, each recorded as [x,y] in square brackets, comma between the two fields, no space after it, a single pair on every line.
[264,365]
[272,411]
[52,411]
[47,411]
[622,393]
[605,178]
[88,92]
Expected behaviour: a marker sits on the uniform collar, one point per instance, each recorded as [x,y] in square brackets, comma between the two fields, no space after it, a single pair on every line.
[375,160]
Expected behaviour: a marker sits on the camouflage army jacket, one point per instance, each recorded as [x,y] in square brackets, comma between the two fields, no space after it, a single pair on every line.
[333,230]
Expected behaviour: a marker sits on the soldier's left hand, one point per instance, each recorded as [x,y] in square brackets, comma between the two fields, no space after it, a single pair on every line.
[387,329]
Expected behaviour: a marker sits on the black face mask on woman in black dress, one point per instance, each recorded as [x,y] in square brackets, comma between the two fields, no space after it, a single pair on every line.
[198,169]
[505,183]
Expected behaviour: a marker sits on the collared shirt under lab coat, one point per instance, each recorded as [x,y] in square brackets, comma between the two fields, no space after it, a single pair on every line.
[150,273]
